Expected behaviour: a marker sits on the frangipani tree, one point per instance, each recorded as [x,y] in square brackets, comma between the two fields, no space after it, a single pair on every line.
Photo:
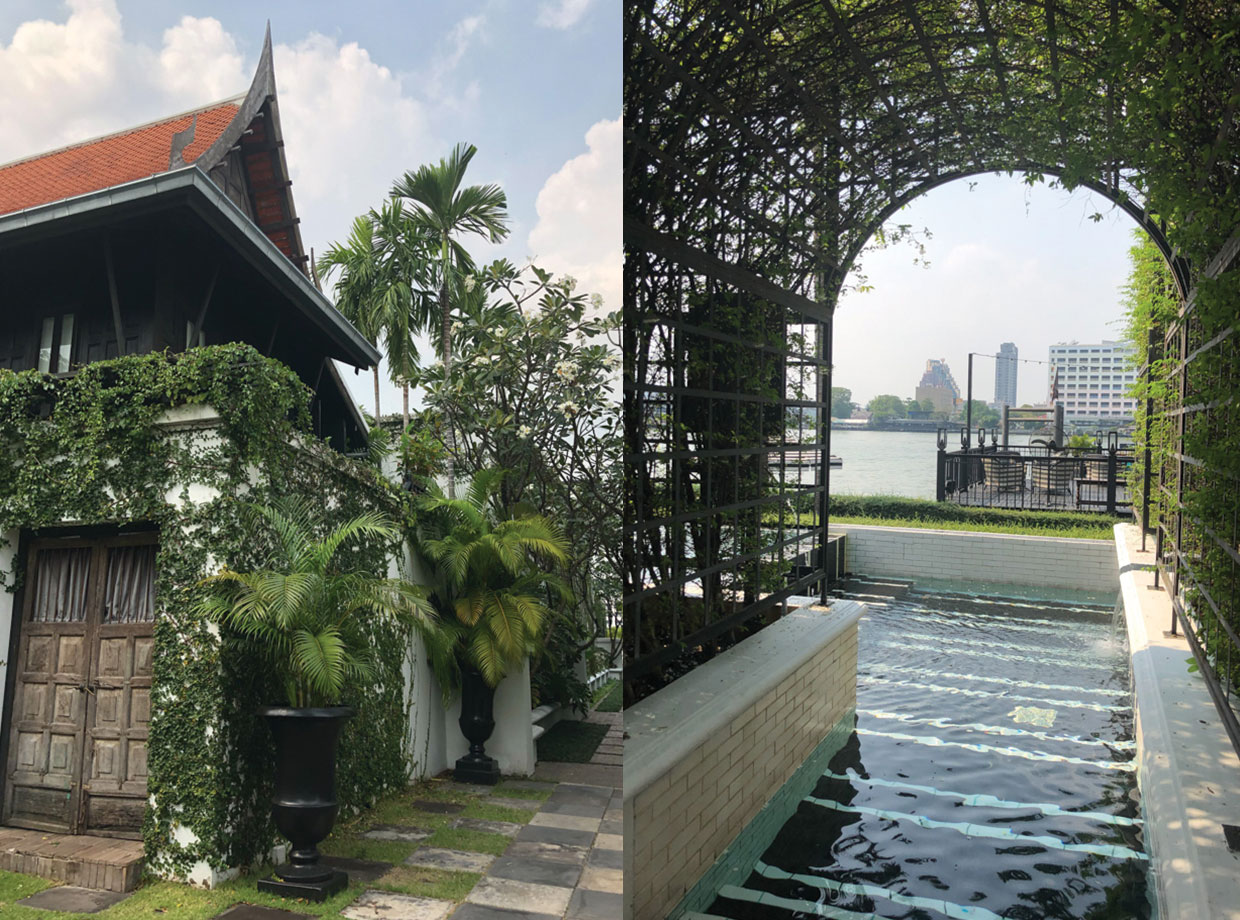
[535,392]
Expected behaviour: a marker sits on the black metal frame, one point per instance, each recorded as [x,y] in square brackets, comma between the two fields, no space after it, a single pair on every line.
[727,458]
[765,144]
[1197,560]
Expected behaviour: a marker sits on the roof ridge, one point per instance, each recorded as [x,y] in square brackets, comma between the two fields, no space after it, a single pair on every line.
[235,99]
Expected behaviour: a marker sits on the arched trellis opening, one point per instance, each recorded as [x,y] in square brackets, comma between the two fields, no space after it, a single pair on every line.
[765,141]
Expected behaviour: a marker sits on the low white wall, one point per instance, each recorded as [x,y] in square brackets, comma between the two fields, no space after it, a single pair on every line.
[1013,559]
[435,740]
[704,754]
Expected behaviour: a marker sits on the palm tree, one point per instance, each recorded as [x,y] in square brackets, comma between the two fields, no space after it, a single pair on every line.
[486,574]
[359,265]
[437,203]
[383,287]
[306,615]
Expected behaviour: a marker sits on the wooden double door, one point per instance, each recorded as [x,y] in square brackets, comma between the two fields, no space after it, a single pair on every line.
[82,696]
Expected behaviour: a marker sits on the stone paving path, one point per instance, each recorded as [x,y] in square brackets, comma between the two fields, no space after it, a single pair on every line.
[610,751]
[565,864]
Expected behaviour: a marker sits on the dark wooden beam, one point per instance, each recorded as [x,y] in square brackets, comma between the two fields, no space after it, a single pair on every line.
[280,224]
[112,294]
[202,313]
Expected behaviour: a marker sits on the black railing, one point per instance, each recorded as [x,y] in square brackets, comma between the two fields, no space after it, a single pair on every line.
[1197,492]
[1035,476]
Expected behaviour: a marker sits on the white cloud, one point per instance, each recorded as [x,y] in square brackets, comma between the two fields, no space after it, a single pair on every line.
[453,48]
[350,128]
[578,231]
[57,76]
[561,14]
[199,58]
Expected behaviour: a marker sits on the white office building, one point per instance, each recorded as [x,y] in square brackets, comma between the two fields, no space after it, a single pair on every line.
[1093,379]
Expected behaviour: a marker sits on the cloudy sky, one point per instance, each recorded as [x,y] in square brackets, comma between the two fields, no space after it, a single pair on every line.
[367,90]
[1007,263]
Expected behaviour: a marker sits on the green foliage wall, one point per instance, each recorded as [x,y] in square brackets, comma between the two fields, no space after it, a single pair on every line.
[91,449]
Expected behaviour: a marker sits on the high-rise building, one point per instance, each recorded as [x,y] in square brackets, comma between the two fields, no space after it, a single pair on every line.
[1005,376]
[1094,379]
[938,386]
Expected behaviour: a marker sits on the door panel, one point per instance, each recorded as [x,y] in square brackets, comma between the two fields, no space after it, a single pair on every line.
[77,759]
[117,726]
[42,788]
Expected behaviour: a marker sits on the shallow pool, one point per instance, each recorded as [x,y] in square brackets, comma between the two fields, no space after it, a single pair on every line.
[990,773]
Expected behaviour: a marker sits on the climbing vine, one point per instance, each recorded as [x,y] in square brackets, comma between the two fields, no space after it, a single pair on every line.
[1150,303]
[179,442]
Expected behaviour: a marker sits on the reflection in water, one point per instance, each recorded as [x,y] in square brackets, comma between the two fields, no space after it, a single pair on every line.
[1014,799]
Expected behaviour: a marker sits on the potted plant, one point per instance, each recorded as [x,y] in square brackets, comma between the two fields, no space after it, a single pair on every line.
[303,614]
[487,579]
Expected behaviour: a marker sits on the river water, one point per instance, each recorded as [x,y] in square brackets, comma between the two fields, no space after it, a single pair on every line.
[889,462]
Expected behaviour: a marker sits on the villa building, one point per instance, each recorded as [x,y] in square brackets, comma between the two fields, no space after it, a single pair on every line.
[165,357]
[1094,379]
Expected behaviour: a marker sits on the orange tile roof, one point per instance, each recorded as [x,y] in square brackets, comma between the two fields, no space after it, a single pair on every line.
[123,157]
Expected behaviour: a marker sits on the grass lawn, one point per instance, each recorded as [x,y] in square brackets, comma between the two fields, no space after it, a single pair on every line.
[157,900]
[609,697]
[898,511]
[570,742]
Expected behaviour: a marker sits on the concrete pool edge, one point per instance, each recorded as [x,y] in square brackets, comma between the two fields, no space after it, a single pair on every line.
[706,753]
[1188,773]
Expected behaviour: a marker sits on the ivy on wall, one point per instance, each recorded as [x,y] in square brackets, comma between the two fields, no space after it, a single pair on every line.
[91,450]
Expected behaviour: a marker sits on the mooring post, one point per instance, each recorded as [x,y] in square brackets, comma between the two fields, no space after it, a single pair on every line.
[940,476]
[1112,448]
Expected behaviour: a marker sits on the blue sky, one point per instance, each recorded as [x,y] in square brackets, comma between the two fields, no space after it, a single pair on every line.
[1007,263]
[367,90]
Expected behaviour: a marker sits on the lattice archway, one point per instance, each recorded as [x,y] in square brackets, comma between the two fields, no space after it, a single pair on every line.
[764,143]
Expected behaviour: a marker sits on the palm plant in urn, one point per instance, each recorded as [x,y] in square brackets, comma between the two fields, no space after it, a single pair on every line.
[304,615]
[486,571]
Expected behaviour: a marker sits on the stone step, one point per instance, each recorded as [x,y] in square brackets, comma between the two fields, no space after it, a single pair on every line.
[84,861]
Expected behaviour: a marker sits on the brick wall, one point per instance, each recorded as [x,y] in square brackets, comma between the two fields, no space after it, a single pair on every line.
[1049,562]
[704,757]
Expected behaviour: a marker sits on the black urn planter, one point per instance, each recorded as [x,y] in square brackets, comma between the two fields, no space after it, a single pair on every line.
[304,805]
[477,722]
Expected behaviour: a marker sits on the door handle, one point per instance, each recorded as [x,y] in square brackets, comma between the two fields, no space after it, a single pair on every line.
[86,688]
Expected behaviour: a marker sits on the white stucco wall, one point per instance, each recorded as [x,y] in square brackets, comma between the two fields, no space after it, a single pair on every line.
[7,554]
